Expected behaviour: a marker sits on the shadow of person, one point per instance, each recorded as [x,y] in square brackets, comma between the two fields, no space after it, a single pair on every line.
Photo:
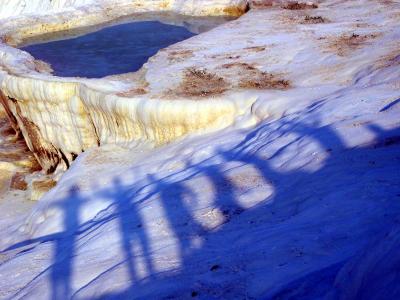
[132,228]
[224,192]
[185,227]
[64,246]
[301,221]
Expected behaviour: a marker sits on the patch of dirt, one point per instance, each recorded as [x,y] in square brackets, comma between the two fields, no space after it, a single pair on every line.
[265,81]
[179,55]
[226,56]
[262,3]
[252,78]
[8,39]
[386,2]
[256,48]
[344,44]
[44,185]
[240,65]
[13,148]
[236,11]
[294,5]
[201,83]
[18,182]
[235,75]
[133,92]
[43,67]
[313,20]
[140,89]
[389,60]
[46,153]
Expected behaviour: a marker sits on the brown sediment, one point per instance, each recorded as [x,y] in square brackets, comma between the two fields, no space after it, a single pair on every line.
[179,55]
[344,44]
[226,56]
[42,66]
[164,5]
[386,2]
[251,77]
[10,116]
[256,48]
[265,80]
[18,182]
[133,92]
[241,65]
[201,83]
[313,20]
[14,151]
[294,5]
[8,39]
[45,153]
[389,60]
[44,185]
[261,3]
[236,11]
[141,89]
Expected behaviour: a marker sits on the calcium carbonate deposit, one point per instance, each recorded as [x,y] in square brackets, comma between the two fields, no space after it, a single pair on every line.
[255,157]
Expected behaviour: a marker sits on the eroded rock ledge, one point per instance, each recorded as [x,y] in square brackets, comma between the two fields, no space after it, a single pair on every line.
[59,118]
[208,82]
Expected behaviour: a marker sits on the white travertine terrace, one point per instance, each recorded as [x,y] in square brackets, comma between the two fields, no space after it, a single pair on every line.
[10,8]
[303,205]
[61,117]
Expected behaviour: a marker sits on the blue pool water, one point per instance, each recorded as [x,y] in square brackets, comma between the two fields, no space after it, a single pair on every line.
[114,50]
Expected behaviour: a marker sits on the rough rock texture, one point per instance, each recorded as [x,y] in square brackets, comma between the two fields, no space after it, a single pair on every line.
[91,112]
[305,205]
[10,8]
[95,112]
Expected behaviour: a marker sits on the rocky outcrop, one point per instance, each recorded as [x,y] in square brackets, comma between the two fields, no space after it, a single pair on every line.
[59,118]
[202,84]
[10,8]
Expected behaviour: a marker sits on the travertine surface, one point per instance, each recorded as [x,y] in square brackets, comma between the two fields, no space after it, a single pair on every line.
[304,205]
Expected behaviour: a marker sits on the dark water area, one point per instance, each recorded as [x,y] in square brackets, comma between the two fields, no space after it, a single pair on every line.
[114,50]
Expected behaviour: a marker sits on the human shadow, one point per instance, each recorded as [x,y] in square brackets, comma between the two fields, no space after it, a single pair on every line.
[61,271]
[175,199]
[132,227]
[240,245]
[305,209]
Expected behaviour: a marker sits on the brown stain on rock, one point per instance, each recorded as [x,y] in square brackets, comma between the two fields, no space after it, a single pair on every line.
[261,4]
[179,55]
[313,20]
[251,77]
[235,75]
[13,121]
[44,185]
[294,5]
[18,182]
[240,65]
[256,48]
[265,80]
[13,148]
[345,44]
[201,83]
[133,92]
[46,154]
[43,67]
[236,11]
